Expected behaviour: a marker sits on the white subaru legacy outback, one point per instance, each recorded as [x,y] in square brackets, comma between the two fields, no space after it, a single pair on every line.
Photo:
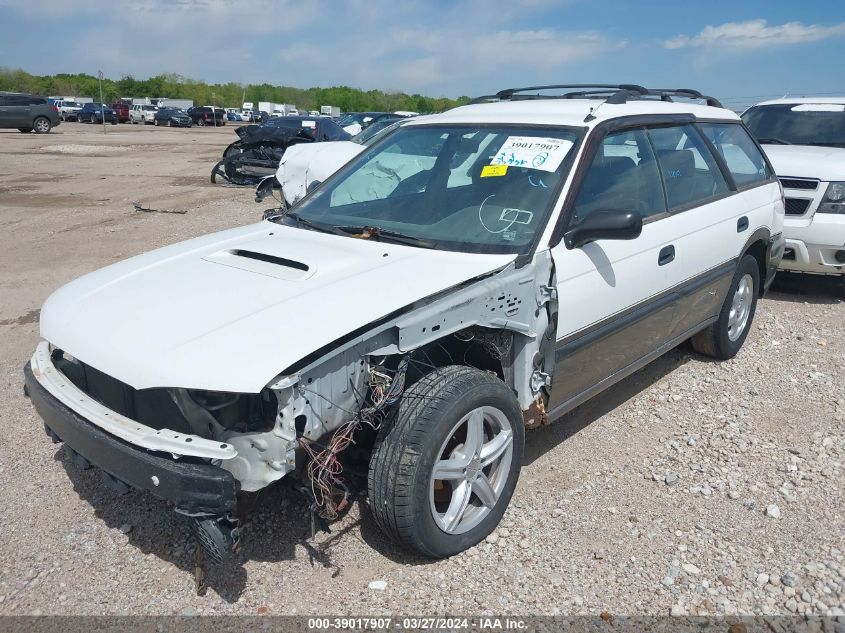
[473,274]
[805,140]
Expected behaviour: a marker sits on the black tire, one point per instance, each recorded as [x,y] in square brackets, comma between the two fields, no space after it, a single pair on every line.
[42,125]
[408,445]
[218,170]
[716,341]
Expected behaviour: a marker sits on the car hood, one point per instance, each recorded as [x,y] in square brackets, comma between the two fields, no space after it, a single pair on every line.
[807,161]
[230,311]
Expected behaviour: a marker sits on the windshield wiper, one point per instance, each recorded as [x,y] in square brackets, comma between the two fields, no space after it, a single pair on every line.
[374,232]
[316,226]
[773,141]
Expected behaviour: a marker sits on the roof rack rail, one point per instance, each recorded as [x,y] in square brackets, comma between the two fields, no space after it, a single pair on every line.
[618,92]
[686,93]
[610,93]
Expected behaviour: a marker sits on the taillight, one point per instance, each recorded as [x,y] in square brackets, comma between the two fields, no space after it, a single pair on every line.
[54,108]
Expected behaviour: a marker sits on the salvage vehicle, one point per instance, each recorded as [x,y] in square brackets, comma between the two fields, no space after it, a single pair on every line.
[142,113]
[95,113]
[172,117]
[472,275]
[259,148]
[805,140]
[27,113]
[305,165]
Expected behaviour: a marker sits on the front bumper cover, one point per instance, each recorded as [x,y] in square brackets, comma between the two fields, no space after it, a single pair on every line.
[193,487]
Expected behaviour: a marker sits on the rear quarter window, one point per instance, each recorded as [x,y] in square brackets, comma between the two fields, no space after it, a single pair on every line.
[740,153]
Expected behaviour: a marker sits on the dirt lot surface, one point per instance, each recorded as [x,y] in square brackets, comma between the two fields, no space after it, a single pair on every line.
[692,487]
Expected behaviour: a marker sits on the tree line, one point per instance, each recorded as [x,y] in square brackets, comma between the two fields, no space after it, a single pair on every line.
[229,95]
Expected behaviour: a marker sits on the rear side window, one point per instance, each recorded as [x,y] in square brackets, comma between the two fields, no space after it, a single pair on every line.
[623,175]
[741,155]
[18,100]
[690,173]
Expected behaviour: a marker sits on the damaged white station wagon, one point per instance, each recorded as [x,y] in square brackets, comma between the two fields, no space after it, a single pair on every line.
[471,275]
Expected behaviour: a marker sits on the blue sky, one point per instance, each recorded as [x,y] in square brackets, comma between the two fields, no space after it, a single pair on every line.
[738,50]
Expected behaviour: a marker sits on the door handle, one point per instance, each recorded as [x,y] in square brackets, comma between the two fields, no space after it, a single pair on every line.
[742,224]
[666,255]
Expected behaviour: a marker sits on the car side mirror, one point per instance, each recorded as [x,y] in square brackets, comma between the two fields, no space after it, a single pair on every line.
[312,185]
[604,224]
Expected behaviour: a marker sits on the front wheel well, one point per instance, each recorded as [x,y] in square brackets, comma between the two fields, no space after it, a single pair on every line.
[758,251]
[479,347]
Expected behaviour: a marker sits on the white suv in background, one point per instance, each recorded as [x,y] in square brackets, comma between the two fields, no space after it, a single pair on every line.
[142,113]
[805,140]
[471,275]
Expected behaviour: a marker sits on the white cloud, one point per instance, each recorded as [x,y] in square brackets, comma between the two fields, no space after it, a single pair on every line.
[755,34]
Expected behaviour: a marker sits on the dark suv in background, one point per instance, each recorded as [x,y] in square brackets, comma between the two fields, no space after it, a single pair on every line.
[206,115]
[95,113]
[27,113]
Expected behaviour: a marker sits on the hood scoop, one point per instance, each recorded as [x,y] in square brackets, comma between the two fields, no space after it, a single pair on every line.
[263,264]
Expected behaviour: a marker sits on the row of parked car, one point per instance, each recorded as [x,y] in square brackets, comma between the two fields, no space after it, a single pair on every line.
[140,113]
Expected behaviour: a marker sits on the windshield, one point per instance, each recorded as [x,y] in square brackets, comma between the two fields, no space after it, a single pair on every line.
[482,189]
[798,124]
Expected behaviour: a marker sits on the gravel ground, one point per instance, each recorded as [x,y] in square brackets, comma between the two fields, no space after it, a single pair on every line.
[692,487]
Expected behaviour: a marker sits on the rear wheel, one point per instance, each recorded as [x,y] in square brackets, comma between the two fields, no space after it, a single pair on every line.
[724,338]
[444,469]
[42,125]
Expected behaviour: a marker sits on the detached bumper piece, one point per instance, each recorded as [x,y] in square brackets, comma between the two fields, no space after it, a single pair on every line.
[193,487]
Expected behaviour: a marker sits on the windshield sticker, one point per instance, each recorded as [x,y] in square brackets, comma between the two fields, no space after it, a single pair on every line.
[545,154]
[819,107]
[493,170]
[309,124]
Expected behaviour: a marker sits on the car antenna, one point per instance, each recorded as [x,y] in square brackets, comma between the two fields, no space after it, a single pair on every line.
[592,114]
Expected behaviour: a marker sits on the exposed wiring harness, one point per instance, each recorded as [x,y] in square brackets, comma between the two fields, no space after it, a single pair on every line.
[330,492]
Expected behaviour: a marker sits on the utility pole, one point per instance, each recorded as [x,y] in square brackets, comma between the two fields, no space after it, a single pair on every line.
[102,105]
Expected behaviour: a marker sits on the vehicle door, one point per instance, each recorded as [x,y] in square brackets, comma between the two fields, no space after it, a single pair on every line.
[614,296]
[19,111]
[5,113]
[708,220]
